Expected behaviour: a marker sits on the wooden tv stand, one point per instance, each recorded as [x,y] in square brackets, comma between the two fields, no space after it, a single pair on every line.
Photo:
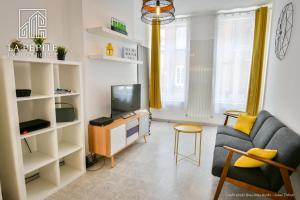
[111,139]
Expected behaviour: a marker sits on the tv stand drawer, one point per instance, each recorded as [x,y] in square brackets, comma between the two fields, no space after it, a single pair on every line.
[132,138]
[132,124]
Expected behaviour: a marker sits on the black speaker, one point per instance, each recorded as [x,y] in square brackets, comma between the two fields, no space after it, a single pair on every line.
[101,121]
[33,125]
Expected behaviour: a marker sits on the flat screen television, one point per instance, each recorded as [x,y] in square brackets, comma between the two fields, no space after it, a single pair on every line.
[125,99]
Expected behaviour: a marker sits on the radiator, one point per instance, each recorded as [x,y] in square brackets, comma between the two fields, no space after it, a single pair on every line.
[199,103]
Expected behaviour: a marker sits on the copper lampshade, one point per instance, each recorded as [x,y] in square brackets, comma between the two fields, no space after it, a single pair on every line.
[158,11]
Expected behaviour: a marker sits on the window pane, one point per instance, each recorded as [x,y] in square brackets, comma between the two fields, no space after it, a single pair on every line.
[233,60]
[173,63]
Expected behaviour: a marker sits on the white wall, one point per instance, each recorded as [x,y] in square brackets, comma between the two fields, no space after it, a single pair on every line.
[60,22]
[100,75]
[282,96]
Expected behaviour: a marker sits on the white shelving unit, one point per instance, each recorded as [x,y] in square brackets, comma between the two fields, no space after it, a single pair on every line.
[115,59]
[59,143]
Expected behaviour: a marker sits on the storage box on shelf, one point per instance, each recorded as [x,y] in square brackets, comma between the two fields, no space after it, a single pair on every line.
[49,145]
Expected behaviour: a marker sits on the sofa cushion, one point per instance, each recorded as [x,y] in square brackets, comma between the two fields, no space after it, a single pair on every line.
[246,162]
[287,143]
[234,142]
[227,130]
[244,123]
[266,132]
[252,176]
[261,118]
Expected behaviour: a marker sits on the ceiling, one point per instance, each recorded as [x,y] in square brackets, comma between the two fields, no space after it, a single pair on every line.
[207,6]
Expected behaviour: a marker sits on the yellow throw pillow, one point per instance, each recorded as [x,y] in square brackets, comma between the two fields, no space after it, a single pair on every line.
[245,123]
[247,162]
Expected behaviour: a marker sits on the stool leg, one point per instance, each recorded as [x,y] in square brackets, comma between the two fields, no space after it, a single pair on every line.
[177,147]
[195,146]
[200,143]
[175,139]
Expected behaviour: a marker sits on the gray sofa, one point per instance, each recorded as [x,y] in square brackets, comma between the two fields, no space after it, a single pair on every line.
[269,133]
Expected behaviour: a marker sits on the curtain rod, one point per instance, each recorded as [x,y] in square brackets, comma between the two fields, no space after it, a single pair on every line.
[231,11]
[243,10]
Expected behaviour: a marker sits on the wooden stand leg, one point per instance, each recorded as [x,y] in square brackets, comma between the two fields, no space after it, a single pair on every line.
[145,138]
[200,146]
[195,145]
[223,176]
[112,160]
[177,141]
[226,120]
[287,183]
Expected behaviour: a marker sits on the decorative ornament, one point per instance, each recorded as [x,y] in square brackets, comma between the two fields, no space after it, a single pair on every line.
[284,31]
[109,49]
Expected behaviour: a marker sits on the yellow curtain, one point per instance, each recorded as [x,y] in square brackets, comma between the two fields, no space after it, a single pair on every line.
[257,65]
[155,97]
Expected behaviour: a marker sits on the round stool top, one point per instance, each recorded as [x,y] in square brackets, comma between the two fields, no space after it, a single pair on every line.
[188,128]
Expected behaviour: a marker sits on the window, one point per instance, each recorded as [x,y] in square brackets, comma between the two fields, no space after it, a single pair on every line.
[174,58]
[235,34]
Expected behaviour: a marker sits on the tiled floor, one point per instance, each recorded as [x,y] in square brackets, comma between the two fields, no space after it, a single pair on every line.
[148,172]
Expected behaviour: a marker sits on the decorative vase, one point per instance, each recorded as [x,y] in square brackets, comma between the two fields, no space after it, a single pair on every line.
[61,56]
[39,53]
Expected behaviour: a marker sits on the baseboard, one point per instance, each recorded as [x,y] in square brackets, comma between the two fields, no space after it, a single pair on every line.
[178,121]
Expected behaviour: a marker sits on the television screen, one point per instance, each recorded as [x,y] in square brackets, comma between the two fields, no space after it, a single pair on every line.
[125,99]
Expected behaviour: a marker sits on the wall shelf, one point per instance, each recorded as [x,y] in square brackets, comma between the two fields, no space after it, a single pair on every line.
[66,95]
[115,59]
[34,97]
[35,161]
[35,133]
[39,188]
[65,148]
[108,33]
[66,124]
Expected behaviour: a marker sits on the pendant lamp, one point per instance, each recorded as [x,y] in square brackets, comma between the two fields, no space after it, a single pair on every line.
[158,11]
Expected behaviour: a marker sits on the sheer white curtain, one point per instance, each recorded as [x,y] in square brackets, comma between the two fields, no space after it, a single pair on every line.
[233,54]
[175,41]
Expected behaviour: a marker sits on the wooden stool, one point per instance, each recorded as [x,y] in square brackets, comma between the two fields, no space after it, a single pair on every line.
[188,129]
[233,114]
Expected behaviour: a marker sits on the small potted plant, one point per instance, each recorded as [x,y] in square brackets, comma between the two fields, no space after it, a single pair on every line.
[61,52]
[39,41]
[16,45]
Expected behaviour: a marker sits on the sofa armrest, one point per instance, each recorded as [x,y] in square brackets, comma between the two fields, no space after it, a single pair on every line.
[267,161]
